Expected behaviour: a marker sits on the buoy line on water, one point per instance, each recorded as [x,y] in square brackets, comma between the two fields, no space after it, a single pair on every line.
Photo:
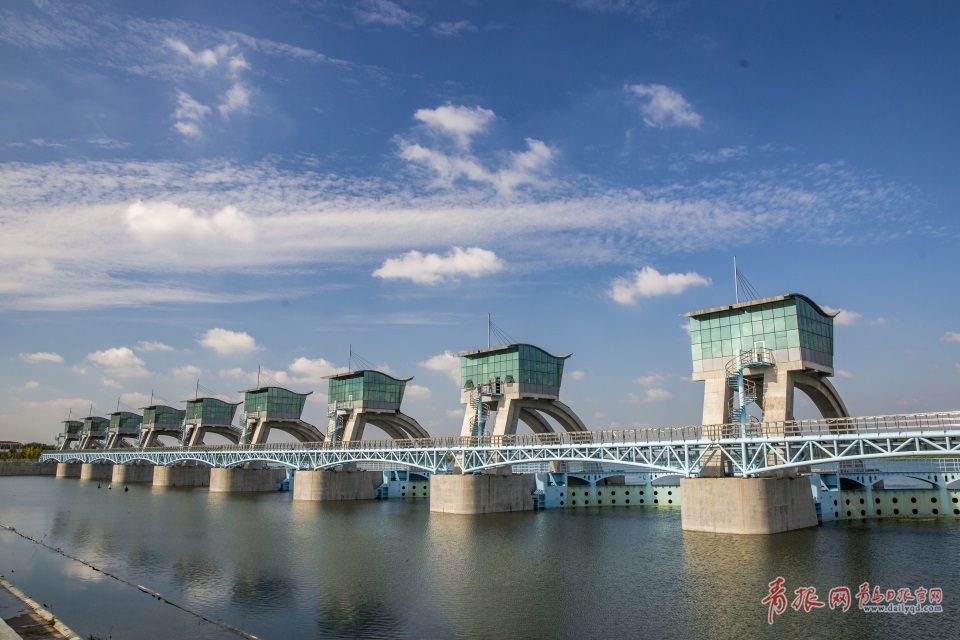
[139,587]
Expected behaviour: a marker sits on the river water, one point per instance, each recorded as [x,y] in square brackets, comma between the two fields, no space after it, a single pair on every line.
[276,568]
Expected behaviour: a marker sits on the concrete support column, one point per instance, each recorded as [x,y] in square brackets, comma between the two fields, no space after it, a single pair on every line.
[68,469]
[508,413]
[241,480]
[181,476]
[481,493]
[870,509]
[746,505]
[132,474]
[777,395]
[96,471]
[716,399]
[324,485]
[354,427]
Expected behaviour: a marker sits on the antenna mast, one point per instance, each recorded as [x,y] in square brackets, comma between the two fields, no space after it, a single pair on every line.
[736,280]
[350,360]
[488,329]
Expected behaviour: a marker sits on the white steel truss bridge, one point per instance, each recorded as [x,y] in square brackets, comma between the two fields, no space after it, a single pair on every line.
[744,450]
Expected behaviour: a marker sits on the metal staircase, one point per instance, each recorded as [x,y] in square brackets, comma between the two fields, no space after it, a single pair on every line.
[746,389]
[480,395]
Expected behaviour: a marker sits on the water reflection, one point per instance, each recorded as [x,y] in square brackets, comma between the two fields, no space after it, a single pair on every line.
[279,568]
[343,616]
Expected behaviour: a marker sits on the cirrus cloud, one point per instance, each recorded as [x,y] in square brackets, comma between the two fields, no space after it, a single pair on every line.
[41,356]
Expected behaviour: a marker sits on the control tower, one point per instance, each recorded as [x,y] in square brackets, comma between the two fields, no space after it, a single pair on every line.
[268,408]
[760,352]
[124,426]
[160,420]
[93,432]
[209,415]
[72,432]
[517,383]
[358,398]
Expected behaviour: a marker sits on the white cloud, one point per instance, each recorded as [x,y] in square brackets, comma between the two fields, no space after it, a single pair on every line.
[121,362]
[306,370]
[649,380]
[110,383]
[236,99]
[657,395]
[648,282]
[416,392]
[385,12]
[459,122]
[187,372]
[433,268]
[159,223]
[226,342]
[446,363]
[147,345]
[843,318]
[665,107]
[524,168]
[577,375]
[843,373]
[136,399]
[189,114]
[41,356]
[205,59]
[31,385]
[187,129]
[950,336]
[451,29]
[235,372]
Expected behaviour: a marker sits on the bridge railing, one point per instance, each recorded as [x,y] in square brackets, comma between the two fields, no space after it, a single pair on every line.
[867,425]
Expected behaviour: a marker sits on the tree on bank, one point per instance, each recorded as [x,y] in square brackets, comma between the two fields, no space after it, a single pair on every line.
[29,451]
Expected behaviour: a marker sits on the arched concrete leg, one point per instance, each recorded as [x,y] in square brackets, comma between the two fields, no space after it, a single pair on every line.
[411,426]
[557,410]
[535,421]
[823,394]
[387,427]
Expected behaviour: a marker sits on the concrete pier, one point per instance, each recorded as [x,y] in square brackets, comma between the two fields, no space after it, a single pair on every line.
[68,469]
[746,505]
[181,476]
[239,480]
[96,471]
[482,493]
[132,474]
[336,485]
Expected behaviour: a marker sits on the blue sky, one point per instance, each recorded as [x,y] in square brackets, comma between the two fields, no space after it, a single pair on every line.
[195,189]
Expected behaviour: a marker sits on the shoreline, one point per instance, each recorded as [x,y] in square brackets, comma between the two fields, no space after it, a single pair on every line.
[34,615]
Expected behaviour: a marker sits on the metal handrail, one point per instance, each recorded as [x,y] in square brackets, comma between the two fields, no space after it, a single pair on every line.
[863,425]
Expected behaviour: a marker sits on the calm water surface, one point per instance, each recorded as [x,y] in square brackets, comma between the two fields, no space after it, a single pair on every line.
[283,569]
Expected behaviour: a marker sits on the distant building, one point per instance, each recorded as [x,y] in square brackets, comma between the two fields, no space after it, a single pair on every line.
[10,445]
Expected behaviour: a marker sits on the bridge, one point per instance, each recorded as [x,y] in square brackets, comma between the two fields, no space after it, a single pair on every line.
[741,450]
